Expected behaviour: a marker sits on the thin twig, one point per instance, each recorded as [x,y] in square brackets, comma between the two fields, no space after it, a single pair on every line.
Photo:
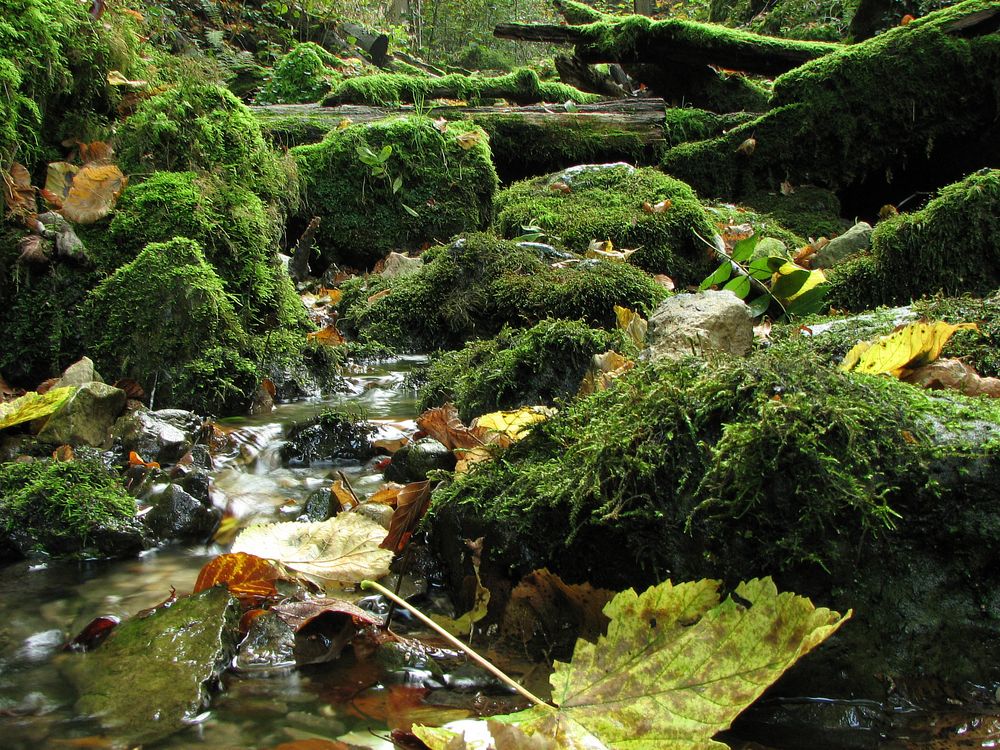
[481,661]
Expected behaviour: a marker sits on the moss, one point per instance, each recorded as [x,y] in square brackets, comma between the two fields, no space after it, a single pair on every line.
[54,63]
[766,465]
[521,86]
[606,203]
[949,246]
[63,508]
[479,283]
[763,224]
[826,128]
[446,179]
[165,320]
[808,211]
[682,124]
[305,74]
[237,231]
[205,128]
[538,365]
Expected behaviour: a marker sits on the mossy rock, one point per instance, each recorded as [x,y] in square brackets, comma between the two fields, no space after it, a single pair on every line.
[330,436]
[517,367]
[808,211]
[857,491]
[65,508]
[521,86]
[950,246]
[826,128]
[605,202]
[165,320]
[474,286]
[201,127]
[446,182]
[304,74]
[237,230]
[683,124]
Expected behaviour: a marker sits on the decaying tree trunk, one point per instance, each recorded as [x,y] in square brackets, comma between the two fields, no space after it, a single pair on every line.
[575,72]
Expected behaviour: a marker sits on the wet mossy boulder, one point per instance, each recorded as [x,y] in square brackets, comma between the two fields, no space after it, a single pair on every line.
[605,202]
[475,285]
[330,436]
[517,367]
[950,246]
[166,320]
[857,491]
[936,115]
[521,86]
[306,73]
[206,128]
[65,508]
[434,181]
[238,231]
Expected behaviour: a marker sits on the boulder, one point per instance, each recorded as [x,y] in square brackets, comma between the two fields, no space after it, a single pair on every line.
[86,418]
[702,324]
[80,372]
[154,673]
[154,437]
[854,240]
[330,436]
[175,514]
[397,264]
[412,462]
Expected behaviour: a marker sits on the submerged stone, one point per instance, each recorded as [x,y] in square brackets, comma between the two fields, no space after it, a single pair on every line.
[154,673]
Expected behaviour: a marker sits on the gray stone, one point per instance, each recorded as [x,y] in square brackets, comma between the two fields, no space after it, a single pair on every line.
[570,174]
[154,673]
[397,264]
[86,418]
[269,646]
[68,244]
[175,514]
[412,462]
[319,506]
[80,372]
[152,437]
[854,240]
[701,324]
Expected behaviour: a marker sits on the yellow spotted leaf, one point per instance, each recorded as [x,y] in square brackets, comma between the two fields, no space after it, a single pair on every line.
[512,424]
[93,193]
[905,349]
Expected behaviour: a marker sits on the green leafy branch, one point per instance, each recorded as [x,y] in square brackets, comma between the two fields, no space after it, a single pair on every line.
[796,291]
[379,168]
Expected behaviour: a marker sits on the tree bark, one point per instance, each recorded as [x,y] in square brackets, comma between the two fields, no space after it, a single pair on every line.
[575,72]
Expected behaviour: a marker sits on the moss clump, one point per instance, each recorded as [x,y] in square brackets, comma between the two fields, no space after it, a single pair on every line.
[165,320]
[683,124]
[949,246]
[205,128]
[521,86]
[305,74]
[767,465]
[604,202]
[516,367]
[446,182]
[478,283]
[236,229]
[61,508]
[808,211]
[826,128]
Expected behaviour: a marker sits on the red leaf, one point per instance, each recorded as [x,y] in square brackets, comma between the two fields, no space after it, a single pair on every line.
[94,634]
[411,505]
[249,578]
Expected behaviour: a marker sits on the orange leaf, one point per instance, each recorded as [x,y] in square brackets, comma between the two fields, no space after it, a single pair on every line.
[657,208]
[95,151]
[560,187]
[134,459]
[17,192]
[94,192]
[443,425]
[387,495]
[411,505]
[328,336]
[906,20]
[63,453]
[344,494]
[379,295]
[248,577]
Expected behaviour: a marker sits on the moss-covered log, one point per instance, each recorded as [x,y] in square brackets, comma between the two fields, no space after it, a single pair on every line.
[934,120]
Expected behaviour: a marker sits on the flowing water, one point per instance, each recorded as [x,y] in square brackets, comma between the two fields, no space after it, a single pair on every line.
[43,604]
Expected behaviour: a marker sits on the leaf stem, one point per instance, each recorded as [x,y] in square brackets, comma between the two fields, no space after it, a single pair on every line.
[481,661]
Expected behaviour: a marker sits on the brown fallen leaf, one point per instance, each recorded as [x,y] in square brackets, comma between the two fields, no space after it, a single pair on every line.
[603,370]
[387,494]
[18,193]
[560,187]
[440,124]
[411,505]
[95,151]
[657,208]
[379,295]
[35,251]
[343,493]
[132,389]
[63,454]
[747,147]
[328,336]
[134,459]
[665,281]
[94,192]
[787,188]
[468,140]
[954,375]
[249,578]
[443,424]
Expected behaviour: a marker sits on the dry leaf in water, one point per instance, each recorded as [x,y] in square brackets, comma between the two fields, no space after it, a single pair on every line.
[249,578]
[342,550]
[94,192]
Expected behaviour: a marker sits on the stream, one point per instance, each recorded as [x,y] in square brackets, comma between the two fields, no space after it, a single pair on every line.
[45,603]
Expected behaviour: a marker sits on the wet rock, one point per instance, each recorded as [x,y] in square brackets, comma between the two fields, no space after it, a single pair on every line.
[701,324]
[86,418]
[412,462]
[155,436]
[154,673]
[268,646]
[320,505]
[854,240]
[175,514]
[79,373]
[330,436]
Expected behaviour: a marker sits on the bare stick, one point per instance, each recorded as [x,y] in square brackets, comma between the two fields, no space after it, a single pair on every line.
[455,642]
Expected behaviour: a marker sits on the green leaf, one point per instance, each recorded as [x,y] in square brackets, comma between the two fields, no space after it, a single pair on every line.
[32,406]
[718,276]
[807,303]
[743,250]
[759,305]
[385,153]
[789,283]
[675,667]
[410,211]
[760,269]
[397,184]
[740,286]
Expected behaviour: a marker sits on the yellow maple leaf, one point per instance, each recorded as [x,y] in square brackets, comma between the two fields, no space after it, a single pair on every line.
[906,348]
